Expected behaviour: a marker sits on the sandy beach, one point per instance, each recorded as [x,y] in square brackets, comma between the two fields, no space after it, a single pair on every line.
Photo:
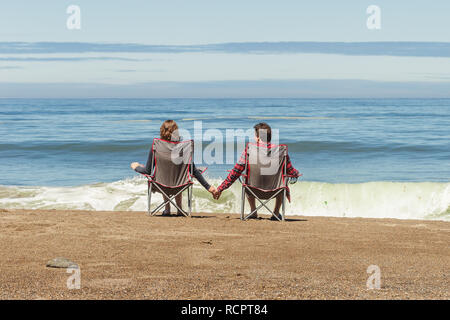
[127,255]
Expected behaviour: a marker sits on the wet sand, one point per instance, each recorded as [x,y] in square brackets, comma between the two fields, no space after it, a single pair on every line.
[127,255]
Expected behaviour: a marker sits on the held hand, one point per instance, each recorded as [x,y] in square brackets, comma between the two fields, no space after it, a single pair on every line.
[134,165]
[212,190]
[217,194]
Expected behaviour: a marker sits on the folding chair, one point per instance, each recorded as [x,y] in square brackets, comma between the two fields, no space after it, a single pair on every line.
[172,172]
[264,176]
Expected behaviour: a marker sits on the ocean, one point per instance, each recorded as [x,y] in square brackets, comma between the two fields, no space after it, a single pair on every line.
[376,158]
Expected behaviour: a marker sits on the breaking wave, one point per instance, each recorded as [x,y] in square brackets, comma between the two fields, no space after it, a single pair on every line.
[403,200]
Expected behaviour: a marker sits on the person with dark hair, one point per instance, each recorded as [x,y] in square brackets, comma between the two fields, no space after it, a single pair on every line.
[263,131]
[169,132]
[263,136]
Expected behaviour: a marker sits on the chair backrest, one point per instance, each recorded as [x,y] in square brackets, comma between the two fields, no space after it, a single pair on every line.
[266,166]
[172,162]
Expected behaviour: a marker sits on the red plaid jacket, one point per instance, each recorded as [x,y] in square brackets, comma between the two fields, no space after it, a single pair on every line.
[240,166]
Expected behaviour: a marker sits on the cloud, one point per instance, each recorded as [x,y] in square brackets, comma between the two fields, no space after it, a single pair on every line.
[133,70]
[403,49]
[10,67]
[231,89]
[67,59]
[434,76]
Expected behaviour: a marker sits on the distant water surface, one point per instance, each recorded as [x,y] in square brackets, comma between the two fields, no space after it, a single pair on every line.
[57,143]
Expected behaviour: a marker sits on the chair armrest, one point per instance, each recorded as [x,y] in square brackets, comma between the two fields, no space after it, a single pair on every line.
[203,171]
[292,179]
[291,176]
[146,175]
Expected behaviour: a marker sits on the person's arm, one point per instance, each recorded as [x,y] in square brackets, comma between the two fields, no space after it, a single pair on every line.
[290,170]
[198,175]
[234,174]
[148,167]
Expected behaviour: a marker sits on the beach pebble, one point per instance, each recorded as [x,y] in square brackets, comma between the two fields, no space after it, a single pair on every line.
[61,262]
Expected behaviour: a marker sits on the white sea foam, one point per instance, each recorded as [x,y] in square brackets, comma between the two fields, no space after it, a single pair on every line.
[409,200]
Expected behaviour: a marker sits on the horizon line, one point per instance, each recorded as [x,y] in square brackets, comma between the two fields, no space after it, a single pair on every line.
[369,48]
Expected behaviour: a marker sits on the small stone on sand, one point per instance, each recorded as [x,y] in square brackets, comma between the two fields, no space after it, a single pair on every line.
[61,262]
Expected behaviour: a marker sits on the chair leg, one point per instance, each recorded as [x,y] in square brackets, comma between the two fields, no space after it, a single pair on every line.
[283,205]
[263,204]
[242,202]
[190,191]
[149,197]
[170,200]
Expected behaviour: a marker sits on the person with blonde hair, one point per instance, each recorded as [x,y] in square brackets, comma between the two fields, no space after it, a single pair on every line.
[169,132]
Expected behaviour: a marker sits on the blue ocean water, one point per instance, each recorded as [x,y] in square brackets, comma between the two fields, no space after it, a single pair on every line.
[73,142]
[77,142]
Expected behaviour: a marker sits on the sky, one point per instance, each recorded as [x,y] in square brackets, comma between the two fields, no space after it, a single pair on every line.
[208,48]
